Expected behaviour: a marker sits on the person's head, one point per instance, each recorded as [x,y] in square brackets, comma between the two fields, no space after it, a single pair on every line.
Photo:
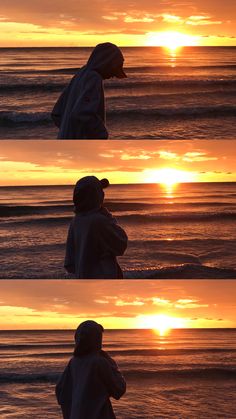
[88,193]
[88,338]
[107,59]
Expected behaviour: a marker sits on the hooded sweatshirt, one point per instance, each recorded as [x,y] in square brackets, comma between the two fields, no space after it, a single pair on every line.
[94,237]
[79,112]
[90,378]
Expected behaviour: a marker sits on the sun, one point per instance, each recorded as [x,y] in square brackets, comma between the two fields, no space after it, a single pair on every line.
[160,323]
[171,40]
[168,176]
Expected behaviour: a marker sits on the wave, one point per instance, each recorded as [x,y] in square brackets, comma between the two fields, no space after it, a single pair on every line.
[129,69]
[28,346]
[32,87]
[29,378]
[135,219]
[135,84]
[13,118]
[176,271]
[186,242]
[20,210]
[159,253]
[177,217]
[57,220]
[112,352]
[177,112]
[191,373]
[198,373]
[184,271]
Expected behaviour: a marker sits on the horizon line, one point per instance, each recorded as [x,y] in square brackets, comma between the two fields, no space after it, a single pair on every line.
[116,184]
[121,46]
[117,329]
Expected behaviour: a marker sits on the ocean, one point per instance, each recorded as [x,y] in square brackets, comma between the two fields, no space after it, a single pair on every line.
[186,374]
[187,94]
[184,232]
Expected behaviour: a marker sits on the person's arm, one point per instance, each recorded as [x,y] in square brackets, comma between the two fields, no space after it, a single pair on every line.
[69,263]
[59,107]
[113,238]
[111,376]
[85,113]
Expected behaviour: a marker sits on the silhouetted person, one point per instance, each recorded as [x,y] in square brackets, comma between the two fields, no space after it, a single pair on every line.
[79,112]
[90,378]
[94,237]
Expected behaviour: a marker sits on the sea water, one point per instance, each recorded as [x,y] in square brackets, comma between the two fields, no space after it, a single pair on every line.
[184,94]
[187,374]
[187,231]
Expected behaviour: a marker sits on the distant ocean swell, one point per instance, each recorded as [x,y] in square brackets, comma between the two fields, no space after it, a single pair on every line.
[144,68]
[175,251]
[12,118]
[140,218]
[50,347]
[55,86]
[20,210]
[207,373]
[178,217]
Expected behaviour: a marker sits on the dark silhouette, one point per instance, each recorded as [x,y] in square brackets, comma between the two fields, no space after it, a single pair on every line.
[90,378]
[79,112]
[94,237]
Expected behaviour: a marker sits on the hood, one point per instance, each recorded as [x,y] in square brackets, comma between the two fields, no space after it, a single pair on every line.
[88,338]
[88,193]
[108,60]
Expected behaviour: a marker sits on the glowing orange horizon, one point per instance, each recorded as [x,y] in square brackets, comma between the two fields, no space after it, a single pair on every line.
[171,39]
[168,176]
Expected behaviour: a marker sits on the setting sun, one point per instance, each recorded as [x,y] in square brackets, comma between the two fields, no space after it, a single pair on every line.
[171,40]
[168,176]
[160,323]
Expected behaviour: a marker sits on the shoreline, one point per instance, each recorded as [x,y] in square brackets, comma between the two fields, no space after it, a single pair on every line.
[183,271]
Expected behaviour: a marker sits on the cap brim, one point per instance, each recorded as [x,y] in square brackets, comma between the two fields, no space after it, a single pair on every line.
[120,74]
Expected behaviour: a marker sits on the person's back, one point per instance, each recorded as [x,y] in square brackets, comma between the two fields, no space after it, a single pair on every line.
[88,382]
[79,113]
[94,237]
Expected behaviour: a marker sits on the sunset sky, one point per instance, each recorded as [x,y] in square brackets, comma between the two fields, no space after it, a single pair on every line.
[127,23]
[63,162]
[117,304]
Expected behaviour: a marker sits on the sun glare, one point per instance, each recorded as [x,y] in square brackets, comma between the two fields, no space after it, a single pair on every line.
[171,40]
[161,323]
[168,176]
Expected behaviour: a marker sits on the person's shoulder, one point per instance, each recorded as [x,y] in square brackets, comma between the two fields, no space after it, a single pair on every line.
[101,362]
[72,360]
[93,76]
[101,218]
[104,361]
